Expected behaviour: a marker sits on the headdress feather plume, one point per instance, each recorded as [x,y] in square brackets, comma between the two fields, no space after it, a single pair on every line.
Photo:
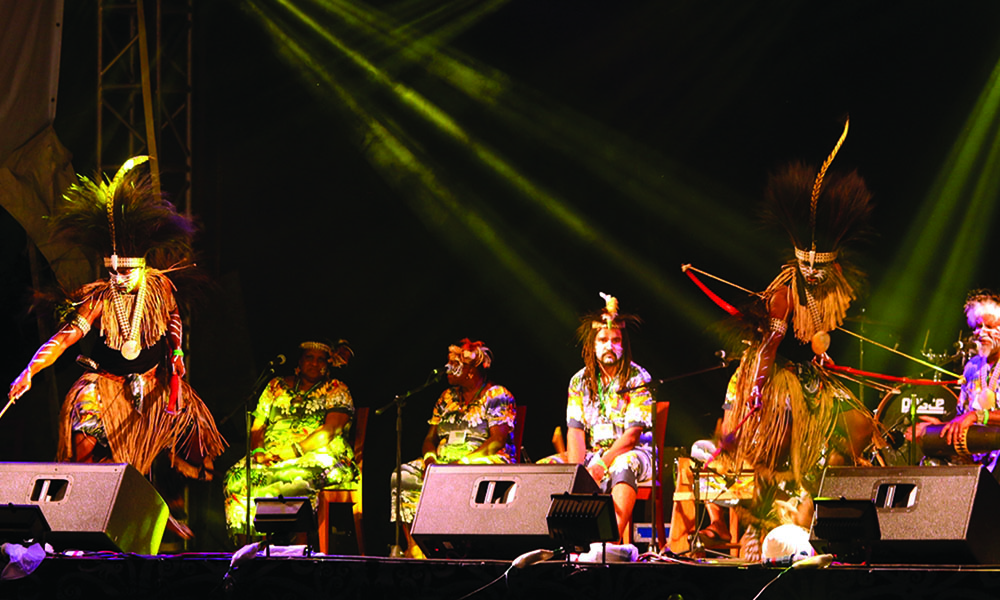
[125,216]
[820,209]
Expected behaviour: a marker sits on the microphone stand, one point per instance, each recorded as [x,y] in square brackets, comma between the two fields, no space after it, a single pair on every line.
[255,392]
[400,401]
[653,386]
[695,545]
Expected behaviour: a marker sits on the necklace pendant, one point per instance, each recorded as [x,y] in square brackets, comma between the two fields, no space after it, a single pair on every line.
[130,350]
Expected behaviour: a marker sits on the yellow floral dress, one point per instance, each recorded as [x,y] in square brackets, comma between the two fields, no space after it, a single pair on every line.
[291,415]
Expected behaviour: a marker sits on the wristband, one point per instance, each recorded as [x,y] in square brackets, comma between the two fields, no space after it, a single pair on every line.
[986,417]
[257,451]
[178,352]
[599,461]
[297,448]
[430,455]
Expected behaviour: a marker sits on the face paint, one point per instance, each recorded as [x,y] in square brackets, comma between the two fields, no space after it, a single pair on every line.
[984,319]
[814,275]
[126,280]
[608,346]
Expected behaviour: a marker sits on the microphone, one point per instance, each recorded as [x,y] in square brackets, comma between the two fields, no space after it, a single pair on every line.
[278,360]
[530,558]
[438,374]
[820,561]
[723,356]
[786,561]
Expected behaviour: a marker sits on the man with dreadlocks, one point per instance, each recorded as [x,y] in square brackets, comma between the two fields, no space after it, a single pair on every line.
[609,409]
[132,403]
[783,418]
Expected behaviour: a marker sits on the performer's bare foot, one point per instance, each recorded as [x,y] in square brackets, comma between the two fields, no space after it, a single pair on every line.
[191,471]
[84,447]
[181,529]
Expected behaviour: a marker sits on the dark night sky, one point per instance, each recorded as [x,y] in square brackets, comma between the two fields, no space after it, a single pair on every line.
[303,237]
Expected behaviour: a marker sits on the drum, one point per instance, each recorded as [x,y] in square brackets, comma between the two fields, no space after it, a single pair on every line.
[979,439]
[897,413]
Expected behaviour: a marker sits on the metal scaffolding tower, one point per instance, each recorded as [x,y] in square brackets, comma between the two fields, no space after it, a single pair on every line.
[144,89]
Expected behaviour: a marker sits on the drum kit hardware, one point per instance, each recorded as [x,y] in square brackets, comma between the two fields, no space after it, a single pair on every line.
[903,408]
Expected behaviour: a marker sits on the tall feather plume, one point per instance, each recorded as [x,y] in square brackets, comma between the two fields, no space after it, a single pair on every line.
[820,209]
[818,185]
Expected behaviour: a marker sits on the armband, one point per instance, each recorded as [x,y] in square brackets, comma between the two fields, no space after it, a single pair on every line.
[257,451]
[178,352]
[80,323]
[599,461]
[297,448]
[778,325]
[986,417]
[429,455]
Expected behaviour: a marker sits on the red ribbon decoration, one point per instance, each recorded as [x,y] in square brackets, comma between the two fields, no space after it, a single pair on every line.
[729,308]
[907,380]
[175,384]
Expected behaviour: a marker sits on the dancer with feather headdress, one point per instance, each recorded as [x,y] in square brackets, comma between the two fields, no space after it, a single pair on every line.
[782,418]
[132,403]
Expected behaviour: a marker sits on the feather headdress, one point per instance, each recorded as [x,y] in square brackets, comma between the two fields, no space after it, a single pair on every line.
[821,210]
[123,216]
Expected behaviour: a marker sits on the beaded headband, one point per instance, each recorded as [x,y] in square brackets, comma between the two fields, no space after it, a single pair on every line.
[812,257]
[114,262]
[316,346]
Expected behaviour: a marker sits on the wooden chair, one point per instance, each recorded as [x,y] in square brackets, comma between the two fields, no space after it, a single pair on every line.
[652,490]
[332,496]
[684,514]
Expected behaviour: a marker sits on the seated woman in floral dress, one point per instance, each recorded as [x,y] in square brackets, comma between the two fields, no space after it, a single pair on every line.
[298,438]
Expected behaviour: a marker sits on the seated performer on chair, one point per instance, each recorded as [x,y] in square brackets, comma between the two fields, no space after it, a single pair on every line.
[609,410]
[122,410]
[472,423]
[977,402]
[298,437]
[785,419]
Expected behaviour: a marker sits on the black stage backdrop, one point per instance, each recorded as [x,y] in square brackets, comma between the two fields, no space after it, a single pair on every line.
[654,123]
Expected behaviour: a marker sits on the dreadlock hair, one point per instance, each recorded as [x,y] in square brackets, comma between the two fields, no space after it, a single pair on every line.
[586,333]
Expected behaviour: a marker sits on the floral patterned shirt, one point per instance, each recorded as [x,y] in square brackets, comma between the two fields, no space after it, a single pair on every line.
[605,418]
[977,373]
[463,428]
[292,415]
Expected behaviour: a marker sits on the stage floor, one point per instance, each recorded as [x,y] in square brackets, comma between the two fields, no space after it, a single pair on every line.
[177,577]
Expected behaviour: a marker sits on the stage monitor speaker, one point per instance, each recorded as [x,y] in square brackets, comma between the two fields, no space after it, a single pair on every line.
[926,515]
[492,511]
[89,506]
